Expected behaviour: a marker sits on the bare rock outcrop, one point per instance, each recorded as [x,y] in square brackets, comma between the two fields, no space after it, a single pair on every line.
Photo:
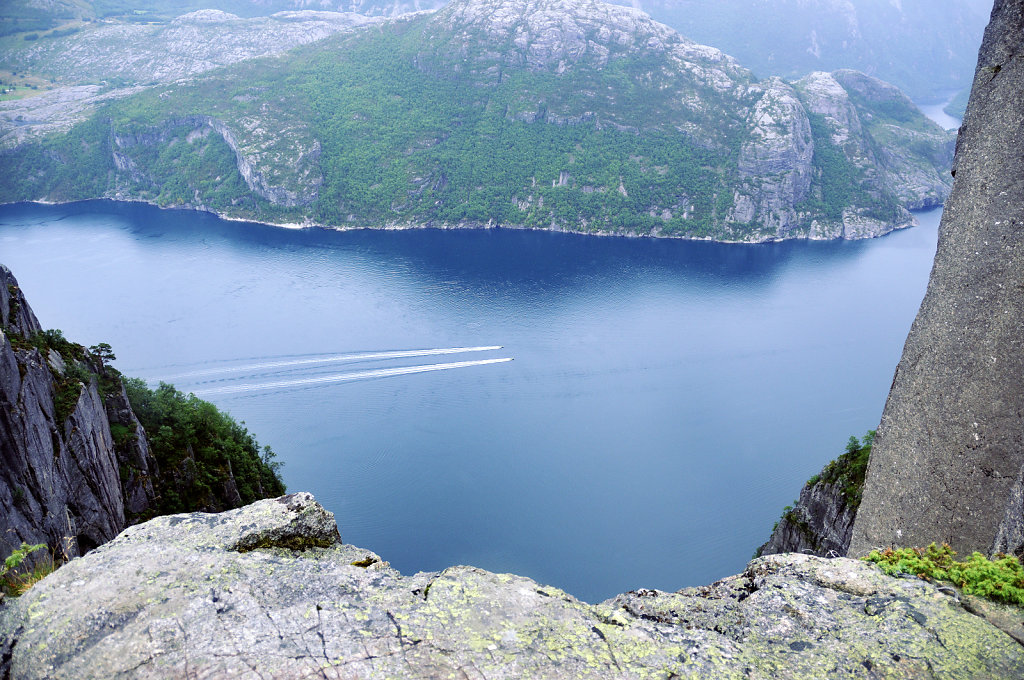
[948,458]
[269,590]
[819,523]
[775,162]
[59,481]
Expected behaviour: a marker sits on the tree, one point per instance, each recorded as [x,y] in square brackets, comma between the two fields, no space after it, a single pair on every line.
[104,352]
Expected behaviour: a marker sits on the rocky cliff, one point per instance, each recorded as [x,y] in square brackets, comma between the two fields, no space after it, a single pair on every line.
[59,480]
[76,465]
[820,522]
[948,460]
[270,591]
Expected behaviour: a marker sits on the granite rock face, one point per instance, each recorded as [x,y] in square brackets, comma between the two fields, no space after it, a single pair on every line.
[76,465]
[820,523]
[275,153]
[131,56]
[59,479]
[190,44]
[269,591]
[16,315]
[948,460]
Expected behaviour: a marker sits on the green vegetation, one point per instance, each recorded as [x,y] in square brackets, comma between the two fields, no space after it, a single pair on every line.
[838,180]
[407,139]
[68,385]
[200,450]
[412,123]
[848,470]
[14,582]
[1000,579]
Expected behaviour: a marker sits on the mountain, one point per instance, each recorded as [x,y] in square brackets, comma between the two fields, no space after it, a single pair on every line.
[43,15]
[128,53]
[554,114]
[925,47]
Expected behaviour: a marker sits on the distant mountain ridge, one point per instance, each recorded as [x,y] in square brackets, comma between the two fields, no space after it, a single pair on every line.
[550,114]
[925,47]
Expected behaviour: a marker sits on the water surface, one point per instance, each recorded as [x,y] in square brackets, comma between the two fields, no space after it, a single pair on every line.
[664,401]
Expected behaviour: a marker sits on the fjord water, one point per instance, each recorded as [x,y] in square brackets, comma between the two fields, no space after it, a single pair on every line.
[665,398]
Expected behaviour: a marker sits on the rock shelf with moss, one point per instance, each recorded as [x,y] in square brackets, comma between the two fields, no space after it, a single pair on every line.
[230,595]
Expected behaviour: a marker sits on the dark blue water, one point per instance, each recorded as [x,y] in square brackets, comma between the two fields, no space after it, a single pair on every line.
[666,398]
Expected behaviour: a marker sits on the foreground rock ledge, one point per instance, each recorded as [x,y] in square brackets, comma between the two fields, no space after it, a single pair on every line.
[269,590]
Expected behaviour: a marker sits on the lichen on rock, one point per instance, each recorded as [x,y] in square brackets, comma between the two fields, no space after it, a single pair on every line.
[269,591]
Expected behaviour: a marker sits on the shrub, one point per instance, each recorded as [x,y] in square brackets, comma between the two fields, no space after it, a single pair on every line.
[1000,579]
[849,469]
[199,449]
[16,583]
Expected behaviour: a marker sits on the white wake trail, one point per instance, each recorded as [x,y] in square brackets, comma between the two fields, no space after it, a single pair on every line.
[347,377]
[400,354]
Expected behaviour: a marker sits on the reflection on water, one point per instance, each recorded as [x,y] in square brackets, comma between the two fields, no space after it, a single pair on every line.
[666,398]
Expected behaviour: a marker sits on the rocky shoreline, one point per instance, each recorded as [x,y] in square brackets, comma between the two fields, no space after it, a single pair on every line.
[405,226]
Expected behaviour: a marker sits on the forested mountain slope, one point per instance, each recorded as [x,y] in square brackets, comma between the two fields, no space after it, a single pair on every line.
[554,114]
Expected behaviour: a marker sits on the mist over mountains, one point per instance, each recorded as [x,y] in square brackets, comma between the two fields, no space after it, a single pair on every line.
[925,47]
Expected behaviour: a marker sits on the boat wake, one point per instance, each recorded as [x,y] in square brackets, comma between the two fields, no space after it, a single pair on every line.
[334,358]
[345,377]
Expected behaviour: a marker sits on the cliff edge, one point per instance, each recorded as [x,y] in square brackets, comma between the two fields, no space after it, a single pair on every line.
[76,466]
[270,591]
[948,459]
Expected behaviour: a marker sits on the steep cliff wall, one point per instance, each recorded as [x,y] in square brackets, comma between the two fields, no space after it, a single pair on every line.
[821,521]
[948,461]
[76,465]
[59,479]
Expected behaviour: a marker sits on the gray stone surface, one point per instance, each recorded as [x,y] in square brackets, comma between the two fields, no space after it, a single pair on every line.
[177,597]
[820,523]
[58,480]
[142,54]
[948,457]
[16,315]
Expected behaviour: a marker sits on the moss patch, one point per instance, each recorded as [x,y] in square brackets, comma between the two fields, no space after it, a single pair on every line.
[1000,579]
